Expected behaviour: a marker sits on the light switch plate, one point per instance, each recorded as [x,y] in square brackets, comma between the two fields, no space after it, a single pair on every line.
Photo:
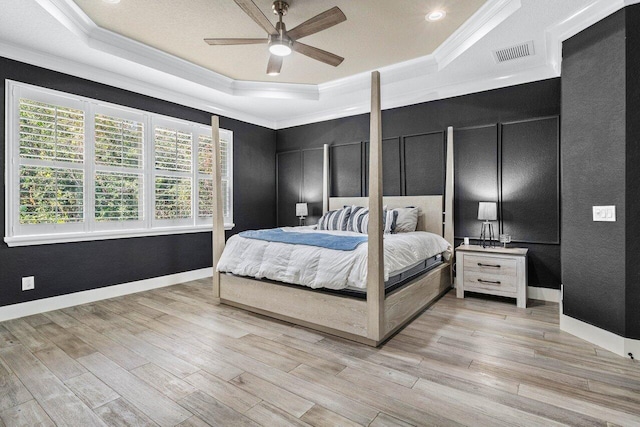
[604,213]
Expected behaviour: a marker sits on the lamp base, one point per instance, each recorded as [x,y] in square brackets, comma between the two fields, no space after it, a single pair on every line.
[486,233]
[301,220]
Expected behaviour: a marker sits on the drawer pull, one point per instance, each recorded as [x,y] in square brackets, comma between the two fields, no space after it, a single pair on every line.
[488,265]
[489,281]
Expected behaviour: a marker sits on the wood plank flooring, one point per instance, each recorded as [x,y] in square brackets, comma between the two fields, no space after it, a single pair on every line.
[170,357]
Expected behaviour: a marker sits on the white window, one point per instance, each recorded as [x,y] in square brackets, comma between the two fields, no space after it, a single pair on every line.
[79,169]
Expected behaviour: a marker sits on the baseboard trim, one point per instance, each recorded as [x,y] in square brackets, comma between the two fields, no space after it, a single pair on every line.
[543,294]
[63,301]
[608,340]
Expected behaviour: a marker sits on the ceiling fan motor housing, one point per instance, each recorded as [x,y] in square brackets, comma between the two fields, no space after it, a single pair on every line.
[280,7]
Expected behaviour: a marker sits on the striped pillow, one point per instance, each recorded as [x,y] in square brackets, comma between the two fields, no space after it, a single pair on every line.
[359,220]
[335,220]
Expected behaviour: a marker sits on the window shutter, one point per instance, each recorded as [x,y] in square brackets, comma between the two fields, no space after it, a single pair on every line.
[173,150]
[173,197]
[51,132]
[205,184]
[117,196]
[50,195]
[118,142]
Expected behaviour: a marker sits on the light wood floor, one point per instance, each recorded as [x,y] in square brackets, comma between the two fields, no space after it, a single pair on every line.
[169,357]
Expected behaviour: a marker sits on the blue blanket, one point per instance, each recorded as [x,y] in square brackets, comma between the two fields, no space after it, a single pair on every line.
[322,240]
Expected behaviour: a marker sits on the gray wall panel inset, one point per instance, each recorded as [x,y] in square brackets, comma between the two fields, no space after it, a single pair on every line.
[424,162]
[391,167]
[289,179]
[476,175]
[530,169]
[312,183]
[346,170]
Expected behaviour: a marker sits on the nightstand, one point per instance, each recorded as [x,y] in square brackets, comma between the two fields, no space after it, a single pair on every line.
[495,271]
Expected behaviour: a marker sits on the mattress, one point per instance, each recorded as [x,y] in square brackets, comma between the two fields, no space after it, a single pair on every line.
[396,281]
[317,267]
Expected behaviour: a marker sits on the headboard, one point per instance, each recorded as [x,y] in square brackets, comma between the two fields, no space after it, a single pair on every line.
[429,218]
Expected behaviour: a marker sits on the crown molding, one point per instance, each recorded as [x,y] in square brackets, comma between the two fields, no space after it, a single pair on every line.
[99,75]
[572,25]
[488,17]
[418,90]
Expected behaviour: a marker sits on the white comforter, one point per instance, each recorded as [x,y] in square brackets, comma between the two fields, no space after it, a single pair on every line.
[317,267]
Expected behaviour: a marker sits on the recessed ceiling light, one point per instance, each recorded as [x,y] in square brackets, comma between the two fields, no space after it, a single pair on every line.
[436,15]
[111,1]
[274,73]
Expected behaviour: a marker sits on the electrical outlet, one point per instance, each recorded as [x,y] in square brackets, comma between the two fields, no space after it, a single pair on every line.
[28,283]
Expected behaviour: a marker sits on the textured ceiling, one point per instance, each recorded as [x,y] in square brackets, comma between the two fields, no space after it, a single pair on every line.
[377,33]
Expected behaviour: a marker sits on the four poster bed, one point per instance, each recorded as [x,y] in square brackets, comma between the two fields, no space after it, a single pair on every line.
[381,309]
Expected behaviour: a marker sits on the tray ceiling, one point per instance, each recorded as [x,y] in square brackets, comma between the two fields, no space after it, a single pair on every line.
[377,33]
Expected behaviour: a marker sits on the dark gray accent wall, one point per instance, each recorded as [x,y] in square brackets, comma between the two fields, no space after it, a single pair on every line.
[71,267]
[632,174]
[519,123]
[600,155]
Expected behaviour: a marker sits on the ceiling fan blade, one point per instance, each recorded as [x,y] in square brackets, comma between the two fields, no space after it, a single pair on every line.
[275,65]
[317,54]
[218,42]
[256,14]
[318,23]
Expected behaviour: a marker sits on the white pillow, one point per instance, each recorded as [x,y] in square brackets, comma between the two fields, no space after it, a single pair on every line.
[407,219]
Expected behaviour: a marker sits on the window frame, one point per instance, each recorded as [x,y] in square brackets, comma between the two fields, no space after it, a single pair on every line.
[17,234]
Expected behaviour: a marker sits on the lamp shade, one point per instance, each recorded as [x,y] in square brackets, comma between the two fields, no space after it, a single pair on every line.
[488,211]
[302,209]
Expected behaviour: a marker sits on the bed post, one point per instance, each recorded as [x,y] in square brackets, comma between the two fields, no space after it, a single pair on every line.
[325,179]
[448,201]
[375,261]
[218,218]
[448,191]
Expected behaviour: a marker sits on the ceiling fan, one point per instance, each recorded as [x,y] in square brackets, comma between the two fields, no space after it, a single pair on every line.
[282,42]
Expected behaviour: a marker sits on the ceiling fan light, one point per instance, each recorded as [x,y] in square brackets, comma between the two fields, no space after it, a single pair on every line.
[279,48]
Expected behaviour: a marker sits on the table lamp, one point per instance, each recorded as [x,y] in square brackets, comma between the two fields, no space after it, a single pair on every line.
[302,210]
[487,211]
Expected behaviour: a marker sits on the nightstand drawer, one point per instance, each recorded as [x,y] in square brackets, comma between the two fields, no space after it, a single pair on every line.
[490,266]
[477,280]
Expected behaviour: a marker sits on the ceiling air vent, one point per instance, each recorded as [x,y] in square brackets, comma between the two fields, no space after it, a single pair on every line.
[514,52]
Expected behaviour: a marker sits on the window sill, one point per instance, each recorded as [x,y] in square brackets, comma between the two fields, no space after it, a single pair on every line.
[47,239]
